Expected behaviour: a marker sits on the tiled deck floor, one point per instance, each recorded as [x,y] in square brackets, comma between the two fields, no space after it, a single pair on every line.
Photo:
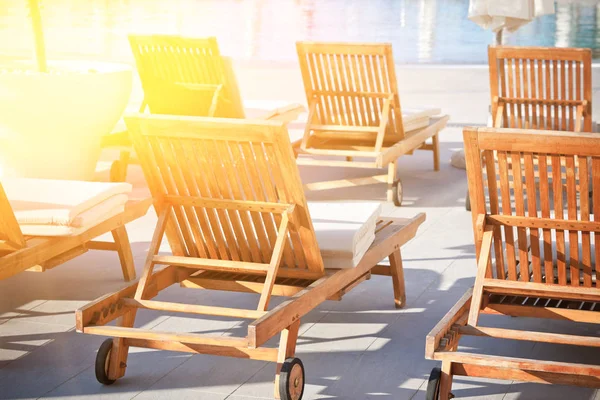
[358,348]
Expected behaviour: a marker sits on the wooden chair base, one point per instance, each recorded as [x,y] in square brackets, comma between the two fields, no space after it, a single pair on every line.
[443,343]
[347,151]
[284,319]
[44,253]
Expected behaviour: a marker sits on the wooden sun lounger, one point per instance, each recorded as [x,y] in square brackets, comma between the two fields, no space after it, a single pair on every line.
[230,201]
[540,88]
[185,76]
[518,272]
[20,253]
[354,112]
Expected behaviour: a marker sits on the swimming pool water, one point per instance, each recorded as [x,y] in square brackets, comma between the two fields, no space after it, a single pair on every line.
[421,31]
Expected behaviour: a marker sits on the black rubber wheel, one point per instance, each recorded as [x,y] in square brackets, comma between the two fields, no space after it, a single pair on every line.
[102,359]
[116,171]
[433,386]
[291,379]
[397,193]
[468,202]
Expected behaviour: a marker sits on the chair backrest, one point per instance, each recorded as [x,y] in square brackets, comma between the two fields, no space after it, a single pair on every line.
[11,237]
[169,65]
[547,234]
[226,179]
[350,82]
[542,87]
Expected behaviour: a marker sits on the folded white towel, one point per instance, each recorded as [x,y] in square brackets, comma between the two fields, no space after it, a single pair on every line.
[58,202]
[92,218]
[59,217]
[417,118]
[344,231]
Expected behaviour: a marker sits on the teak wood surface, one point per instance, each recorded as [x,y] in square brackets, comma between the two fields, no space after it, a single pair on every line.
[186,76]
[19,253]
[536,245]
[231,205]
[541,88]
[354,111]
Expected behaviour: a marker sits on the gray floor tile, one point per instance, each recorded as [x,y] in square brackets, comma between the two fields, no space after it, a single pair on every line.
[19,338]
[179,394]
[210,374]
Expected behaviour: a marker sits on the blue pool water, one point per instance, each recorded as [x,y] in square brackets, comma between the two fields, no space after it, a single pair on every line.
[421,31]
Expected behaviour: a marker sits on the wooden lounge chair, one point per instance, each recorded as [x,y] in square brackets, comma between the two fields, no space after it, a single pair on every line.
[354,111]
[42,247]
[187,76]
[230,201]
[534,258]
[540,88]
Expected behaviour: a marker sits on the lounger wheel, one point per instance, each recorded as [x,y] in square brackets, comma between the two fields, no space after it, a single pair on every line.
[102,360]
[291,379]
[118,171]
[468,202]
[397,193]
[433,386]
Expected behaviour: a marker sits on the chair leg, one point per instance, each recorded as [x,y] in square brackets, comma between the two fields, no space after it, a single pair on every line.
[391,178]
[436,152]
[446,381]
[398,278]
[287,349]
[124,250]
[118,170]
[120,350]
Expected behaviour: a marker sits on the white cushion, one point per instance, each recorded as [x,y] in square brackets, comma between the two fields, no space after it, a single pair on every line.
[417,118]
[59,207]
[93,217]
[344,231]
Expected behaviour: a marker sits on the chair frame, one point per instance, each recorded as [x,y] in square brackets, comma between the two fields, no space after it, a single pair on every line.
[371,125]
[214,75]
[524,84]
[505,292]
[520,98]
[307,286]
[20,253]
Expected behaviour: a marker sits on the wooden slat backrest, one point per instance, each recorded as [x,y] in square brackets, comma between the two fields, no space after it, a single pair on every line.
[542,87]
[350,82]
[11,237]
[163,61]
[544,231]
[208,159]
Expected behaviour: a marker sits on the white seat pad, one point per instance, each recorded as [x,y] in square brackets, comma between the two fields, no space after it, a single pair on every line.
[91,218]
[411,114]
[58,207]
[417,118]
[344,231]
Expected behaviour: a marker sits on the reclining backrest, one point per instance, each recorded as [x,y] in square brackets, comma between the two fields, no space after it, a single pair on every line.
[229,182]
[548,233]
[166,63]
[349,83]
[541,87]
[11,237]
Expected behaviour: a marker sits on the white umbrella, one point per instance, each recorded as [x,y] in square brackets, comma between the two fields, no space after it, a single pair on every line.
[498,15]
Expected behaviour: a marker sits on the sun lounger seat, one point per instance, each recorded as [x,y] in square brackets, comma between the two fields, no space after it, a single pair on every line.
[188,76]
[230,202]
[45,207]
[44,223]
[535,257]
[355,119]
[555,93]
